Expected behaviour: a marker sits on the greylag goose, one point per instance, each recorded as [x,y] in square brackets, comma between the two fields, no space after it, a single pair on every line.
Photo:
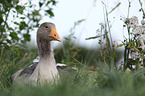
[45,70]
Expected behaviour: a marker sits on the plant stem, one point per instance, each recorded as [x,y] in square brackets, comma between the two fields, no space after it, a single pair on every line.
[142,8]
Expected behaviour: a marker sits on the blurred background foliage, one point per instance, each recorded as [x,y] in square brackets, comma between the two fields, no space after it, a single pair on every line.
[74,55]
[17,20]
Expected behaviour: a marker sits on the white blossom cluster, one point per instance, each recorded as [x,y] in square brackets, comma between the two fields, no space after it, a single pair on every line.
[132,22]
[143,22]
[134,55]
[139,31]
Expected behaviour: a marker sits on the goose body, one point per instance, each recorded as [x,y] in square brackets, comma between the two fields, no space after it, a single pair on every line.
[45,70]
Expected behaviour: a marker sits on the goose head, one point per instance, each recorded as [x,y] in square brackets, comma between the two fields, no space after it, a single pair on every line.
[47,32]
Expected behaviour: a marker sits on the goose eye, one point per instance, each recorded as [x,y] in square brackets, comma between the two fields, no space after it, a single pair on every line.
[55,35]
[46,26]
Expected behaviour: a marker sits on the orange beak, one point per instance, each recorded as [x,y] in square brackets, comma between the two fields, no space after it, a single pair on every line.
[54,36]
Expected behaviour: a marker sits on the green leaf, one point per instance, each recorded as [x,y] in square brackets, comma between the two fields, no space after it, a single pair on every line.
[26,37]
[50,12]
[16,23]
[2,28]
[18,31]
[20,9]
[35,12]
[10,28]
[48,2]
[31,6]
[92,37]
[14,36]
[1,20]
[40,4]
[54,2]
[115,7]
[22,17]
[8,41]
[26,3]
[22,25]
[81,20]
[14,11]
[120,45]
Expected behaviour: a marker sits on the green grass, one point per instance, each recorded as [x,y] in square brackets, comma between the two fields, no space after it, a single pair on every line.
[101,81]
[97,74]
[13,59]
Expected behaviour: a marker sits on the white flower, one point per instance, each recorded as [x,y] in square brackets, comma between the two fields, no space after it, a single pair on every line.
[139,30]
[132,22]
[143,22]
[142,39]
[134,55]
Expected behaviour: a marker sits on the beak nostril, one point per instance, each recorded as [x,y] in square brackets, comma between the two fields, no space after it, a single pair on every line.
[55,35]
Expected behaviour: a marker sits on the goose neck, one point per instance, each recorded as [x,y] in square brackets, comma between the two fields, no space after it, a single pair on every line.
[44,48]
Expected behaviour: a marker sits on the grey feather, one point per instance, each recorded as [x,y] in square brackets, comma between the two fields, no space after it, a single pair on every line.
[29,70]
